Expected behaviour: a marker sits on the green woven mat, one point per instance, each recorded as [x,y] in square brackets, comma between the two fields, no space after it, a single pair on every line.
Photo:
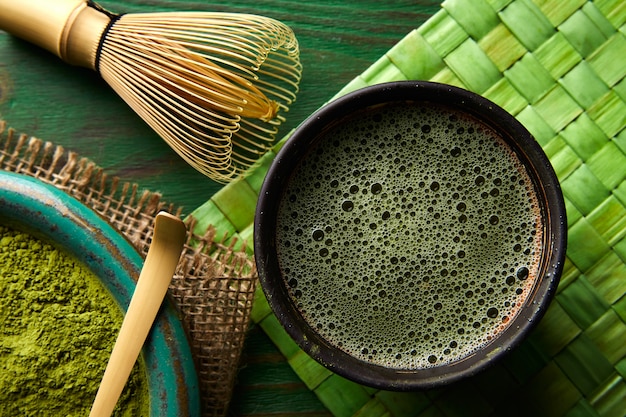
[559,66]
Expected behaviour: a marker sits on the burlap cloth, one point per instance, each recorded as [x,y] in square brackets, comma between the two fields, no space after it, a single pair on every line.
[213,285]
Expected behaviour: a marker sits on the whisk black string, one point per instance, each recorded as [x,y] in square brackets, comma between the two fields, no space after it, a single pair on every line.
[114,17]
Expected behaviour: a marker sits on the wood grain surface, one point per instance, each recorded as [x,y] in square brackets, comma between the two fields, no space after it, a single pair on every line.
[42,96]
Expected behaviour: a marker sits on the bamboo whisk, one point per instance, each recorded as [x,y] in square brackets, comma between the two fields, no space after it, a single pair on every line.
[214,86]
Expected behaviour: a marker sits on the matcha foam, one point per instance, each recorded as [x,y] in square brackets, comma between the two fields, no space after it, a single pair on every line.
[411,237]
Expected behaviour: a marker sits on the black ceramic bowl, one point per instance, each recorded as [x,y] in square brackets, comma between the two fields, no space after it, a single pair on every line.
[410,234]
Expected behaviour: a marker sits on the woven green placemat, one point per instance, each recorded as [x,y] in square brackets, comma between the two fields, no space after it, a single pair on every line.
[559,66]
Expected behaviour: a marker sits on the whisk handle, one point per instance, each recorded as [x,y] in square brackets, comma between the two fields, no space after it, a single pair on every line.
[70,29]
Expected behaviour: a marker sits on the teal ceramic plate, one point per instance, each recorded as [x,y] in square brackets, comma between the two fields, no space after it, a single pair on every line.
[43,210]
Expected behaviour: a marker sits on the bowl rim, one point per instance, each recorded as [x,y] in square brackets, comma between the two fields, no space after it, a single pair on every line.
[46,212]
[514,133]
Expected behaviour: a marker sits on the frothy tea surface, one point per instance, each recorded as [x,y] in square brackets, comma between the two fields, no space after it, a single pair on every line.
[409,238]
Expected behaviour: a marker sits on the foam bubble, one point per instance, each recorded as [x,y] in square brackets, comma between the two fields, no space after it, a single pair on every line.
[411,239]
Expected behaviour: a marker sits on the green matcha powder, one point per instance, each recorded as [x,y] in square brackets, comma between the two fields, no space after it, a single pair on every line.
[58,325]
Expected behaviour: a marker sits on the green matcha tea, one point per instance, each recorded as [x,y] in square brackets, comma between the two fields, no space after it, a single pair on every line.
[58,325]
[410,236]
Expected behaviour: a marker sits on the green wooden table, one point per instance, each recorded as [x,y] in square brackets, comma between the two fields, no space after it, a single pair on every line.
[72,107]
[42,96]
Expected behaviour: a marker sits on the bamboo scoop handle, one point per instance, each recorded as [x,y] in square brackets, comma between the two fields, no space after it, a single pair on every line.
[154,279]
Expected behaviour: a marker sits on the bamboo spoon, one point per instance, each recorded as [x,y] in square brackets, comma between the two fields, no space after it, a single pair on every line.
[154,279]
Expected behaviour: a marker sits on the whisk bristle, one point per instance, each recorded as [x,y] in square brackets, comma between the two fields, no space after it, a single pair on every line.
[214,86]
